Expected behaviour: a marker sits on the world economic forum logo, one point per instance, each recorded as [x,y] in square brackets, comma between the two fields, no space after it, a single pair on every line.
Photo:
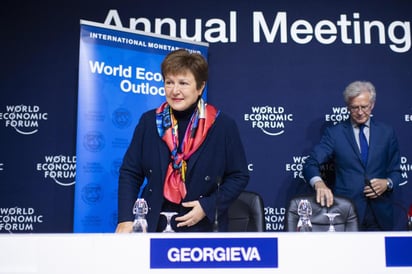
[339,114]
[19,219]
[270,120]
[406,167]
[23,118]
[60,168]
[214,253]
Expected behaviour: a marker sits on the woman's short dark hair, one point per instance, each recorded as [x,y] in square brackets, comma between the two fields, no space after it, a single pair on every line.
[181,60]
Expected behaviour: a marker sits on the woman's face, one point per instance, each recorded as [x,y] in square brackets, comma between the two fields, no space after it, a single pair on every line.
[181,91]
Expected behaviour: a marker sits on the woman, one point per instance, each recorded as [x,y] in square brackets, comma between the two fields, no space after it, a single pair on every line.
[190,153]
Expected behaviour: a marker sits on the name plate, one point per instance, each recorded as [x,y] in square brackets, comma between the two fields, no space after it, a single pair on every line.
[398,251]
[214,253]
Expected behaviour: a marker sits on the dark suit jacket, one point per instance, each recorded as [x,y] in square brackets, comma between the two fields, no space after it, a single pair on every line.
[338,143]
[346,221]
[220,157]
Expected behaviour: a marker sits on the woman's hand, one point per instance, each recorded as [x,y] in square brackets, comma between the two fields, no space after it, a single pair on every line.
[124,227]
[193,216]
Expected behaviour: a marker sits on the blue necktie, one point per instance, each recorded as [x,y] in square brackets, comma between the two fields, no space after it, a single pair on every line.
[363,144]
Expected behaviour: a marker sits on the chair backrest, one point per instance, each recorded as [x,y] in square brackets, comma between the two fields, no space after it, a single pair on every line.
[346,221]
[247,214]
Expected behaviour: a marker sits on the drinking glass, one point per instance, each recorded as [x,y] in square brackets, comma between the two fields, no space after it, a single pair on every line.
[168,216]
[331,217]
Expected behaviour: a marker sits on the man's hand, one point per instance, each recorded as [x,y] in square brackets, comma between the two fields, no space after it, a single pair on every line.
[324,195]
[376,188]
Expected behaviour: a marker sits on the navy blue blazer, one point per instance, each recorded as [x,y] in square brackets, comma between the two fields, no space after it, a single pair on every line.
[338,143]
[220,159]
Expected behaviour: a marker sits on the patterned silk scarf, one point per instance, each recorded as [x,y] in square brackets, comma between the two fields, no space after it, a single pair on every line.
[201,121]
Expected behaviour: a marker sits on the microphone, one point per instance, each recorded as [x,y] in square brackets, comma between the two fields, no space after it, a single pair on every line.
[216,222]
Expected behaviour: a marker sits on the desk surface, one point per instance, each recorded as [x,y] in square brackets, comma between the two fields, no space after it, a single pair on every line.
[346,252]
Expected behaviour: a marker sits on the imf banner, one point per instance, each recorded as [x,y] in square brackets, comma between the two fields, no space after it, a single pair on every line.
[119,79]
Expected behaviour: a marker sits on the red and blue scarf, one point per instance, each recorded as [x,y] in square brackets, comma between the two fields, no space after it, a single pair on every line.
[201,121]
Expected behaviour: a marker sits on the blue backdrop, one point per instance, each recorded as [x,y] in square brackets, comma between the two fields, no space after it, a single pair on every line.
[277,67]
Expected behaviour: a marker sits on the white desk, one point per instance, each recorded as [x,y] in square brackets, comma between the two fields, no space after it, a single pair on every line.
[130,253]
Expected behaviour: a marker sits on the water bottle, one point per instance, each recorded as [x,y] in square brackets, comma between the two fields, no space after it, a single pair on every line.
[140,210]
[304,212]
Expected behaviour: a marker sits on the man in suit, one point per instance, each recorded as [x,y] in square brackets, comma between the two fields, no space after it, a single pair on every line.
[367,166]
